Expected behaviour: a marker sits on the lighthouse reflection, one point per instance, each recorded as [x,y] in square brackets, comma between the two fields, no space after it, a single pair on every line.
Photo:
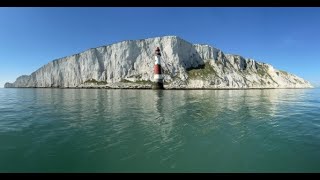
[162,118]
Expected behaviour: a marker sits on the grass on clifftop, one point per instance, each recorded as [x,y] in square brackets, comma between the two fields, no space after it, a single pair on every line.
[201,72]
[284,72]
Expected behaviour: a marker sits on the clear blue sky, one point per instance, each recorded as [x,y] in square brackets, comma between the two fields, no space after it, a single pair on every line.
[287,38]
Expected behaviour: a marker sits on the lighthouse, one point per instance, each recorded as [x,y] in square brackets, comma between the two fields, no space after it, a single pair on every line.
[158,79]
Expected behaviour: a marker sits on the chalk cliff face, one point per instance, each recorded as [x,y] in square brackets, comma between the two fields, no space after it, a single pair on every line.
[185,65]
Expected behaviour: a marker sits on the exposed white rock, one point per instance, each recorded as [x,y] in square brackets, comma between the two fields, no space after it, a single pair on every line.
[129,64]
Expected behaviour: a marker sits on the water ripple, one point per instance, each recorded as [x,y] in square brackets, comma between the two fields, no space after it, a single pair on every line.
[159,131]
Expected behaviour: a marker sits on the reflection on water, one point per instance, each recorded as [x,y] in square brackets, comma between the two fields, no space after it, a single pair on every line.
[96,130]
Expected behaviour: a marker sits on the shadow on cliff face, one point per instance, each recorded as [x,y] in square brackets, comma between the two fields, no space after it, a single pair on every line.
[192,59]
[201,66]
[185,57]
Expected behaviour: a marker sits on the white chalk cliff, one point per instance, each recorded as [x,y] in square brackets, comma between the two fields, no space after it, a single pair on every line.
[129,64]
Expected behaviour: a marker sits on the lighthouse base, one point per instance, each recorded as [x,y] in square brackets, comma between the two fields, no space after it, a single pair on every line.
[157,85]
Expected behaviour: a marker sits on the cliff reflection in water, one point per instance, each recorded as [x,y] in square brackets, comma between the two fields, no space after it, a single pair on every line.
[150,130]
[163,114]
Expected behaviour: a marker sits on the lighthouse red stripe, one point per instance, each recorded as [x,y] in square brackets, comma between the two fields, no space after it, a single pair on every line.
[157,69]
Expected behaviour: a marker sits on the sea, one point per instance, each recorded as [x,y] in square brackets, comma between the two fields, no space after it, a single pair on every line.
[114,130]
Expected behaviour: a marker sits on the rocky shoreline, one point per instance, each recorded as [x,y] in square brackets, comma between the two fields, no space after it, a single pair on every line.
[147,87]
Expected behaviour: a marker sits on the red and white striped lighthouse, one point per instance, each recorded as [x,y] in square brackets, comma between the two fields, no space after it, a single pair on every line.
[158,84]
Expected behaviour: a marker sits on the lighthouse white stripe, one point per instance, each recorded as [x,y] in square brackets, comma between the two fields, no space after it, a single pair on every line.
[157,60]
[157,76]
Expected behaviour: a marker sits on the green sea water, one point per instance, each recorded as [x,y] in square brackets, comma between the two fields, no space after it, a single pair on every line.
[102,130]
